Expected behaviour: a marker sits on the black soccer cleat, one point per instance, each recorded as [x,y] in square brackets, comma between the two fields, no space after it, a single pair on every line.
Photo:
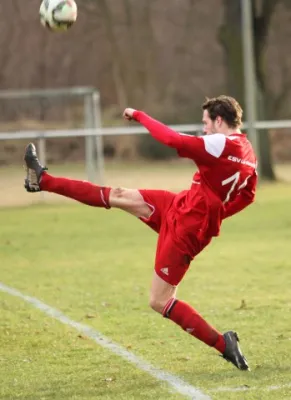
[233,352]
[34,169]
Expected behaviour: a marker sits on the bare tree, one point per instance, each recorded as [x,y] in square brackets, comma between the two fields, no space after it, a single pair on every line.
[8,37]
[269,103]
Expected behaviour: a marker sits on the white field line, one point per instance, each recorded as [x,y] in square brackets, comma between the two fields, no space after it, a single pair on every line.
[176,384]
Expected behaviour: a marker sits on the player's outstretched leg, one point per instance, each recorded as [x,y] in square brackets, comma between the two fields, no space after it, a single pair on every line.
[37,179]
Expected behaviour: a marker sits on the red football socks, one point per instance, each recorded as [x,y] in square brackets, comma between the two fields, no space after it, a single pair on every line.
[82,191]
[192,322]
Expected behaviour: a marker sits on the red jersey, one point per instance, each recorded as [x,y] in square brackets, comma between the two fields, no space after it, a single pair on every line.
[227,178]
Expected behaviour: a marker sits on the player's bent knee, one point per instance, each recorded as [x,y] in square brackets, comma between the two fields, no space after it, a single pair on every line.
[129,200]
[157,304]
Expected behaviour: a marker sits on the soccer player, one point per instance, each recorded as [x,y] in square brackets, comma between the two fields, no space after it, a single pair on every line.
[186,222]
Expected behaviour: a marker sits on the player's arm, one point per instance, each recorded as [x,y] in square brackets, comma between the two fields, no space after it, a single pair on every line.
[162,133]
[245,197]
[204,149]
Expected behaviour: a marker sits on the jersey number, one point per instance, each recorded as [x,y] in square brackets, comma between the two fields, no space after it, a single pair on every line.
[233,179]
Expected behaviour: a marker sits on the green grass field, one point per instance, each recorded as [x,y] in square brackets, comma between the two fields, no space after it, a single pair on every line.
[96,267]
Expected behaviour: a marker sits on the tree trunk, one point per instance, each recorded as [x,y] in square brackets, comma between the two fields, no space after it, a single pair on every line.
[118,66]
[231,39]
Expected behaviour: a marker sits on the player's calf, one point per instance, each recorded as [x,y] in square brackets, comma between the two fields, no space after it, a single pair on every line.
[37,179]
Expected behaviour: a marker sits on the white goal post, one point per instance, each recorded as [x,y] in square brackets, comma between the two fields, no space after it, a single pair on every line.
[91,122]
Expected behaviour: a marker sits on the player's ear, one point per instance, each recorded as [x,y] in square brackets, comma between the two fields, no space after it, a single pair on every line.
[219,120]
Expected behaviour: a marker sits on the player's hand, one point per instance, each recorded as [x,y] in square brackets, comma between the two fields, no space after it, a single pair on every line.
[128,113]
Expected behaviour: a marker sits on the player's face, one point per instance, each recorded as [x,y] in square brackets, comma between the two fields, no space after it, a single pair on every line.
[210,126]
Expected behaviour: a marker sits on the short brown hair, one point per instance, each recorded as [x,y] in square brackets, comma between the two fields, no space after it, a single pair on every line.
[225,107]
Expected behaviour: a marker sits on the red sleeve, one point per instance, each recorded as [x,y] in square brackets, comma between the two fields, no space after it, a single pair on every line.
[162,133]
[187,145]
[245,197]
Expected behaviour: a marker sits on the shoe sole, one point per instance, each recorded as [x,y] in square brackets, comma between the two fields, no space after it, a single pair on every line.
[30,182]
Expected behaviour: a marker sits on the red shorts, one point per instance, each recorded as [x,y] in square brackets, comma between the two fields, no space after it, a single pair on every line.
[172,257]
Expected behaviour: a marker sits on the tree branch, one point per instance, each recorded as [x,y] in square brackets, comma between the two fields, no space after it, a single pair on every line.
[118,64]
